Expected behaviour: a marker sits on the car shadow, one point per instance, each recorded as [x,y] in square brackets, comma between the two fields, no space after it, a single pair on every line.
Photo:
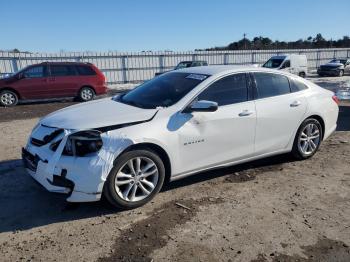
[25,204]
[260,166]
[343,123]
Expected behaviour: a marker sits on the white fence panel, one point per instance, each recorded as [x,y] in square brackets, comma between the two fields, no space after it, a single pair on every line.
[120,67]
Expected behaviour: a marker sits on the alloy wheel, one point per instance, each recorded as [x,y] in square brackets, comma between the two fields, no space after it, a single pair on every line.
[8,99]
[136,179]
[309,139]
[87,94]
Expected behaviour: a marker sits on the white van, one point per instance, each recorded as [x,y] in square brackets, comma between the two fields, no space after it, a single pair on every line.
[295,64]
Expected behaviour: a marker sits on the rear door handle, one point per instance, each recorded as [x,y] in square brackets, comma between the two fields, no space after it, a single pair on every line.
[295,104]
[246,113]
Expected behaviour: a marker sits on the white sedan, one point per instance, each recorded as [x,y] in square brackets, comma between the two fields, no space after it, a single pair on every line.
[176,125]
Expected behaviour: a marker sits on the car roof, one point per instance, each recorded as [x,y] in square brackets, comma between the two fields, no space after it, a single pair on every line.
[192,61]
[279,56]
[219,69]
[65,63]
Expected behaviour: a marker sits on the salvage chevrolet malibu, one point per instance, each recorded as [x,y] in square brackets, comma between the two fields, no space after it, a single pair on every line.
[175,125]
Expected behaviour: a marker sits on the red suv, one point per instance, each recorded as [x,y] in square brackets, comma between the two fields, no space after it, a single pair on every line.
[53,80]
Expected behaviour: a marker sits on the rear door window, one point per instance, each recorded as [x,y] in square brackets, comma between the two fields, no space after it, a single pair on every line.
[85,70]
[269,85]
[62,70]
[228,90]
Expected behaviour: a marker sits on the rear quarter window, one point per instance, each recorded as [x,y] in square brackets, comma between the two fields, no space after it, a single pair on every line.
[297,86]
[85,71]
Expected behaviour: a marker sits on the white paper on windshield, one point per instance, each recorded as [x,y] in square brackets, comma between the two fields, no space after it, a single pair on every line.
[197,77]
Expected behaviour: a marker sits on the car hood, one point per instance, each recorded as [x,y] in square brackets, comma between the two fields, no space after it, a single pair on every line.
[96,114]
[7,80]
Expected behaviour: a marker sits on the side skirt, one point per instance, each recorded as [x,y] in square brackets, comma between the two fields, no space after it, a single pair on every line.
[193,172]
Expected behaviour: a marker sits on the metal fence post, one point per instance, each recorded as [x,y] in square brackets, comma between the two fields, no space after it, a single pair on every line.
[318,59]
[347,53]
[334,53]
[253,57]
[125,79]
[226,59]
[15,64]
[78,58]
[193,57]
[161,63]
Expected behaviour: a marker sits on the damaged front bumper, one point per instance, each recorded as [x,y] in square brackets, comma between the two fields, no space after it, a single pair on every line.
[37,167]
[61,180]
[81,178]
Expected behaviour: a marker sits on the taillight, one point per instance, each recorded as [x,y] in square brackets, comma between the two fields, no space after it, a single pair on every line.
[102,77]
[335,99]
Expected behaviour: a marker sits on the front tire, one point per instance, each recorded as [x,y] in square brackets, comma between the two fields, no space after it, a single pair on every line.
[86,94]
[341,73]
[135,179]
[8,98]
[308,139]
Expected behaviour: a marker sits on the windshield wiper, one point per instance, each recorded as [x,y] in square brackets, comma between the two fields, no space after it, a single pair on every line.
[130,103]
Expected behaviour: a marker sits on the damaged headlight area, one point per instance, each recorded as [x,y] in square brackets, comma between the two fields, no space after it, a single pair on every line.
[82,143]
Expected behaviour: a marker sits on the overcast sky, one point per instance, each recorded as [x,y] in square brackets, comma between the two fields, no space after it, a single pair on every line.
[137,25]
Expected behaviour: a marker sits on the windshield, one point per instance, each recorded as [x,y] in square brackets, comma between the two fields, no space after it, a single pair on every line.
[22,70]
[183,65]
[338,61]
[162,91]
[273,62]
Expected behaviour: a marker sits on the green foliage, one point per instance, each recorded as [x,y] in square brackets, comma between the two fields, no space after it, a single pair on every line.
[261,43]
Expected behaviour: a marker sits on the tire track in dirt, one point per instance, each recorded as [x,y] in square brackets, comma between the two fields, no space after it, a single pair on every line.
[139,240]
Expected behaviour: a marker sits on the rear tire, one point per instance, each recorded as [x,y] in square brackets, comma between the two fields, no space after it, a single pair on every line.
[135,179]
[86,94]
[8,98]
[307,139]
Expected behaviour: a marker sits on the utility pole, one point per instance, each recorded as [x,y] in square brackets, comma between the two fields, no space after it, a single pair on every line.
[244,39]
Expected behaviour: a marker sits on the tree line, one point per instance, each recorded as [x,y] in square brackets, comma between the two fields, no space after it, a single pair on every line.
[265,43]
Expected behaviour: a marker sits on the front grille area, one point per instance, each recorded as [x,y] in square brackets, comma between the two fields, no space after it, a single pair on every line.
[29,161]
[328,68]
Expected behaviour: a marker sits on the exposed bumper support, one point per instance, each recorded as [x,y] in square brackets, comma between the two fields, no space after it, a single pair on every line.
[56,183]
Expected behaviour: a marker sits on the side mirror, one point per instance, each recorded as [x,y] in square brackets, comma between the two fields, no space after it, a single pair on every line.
[202,106]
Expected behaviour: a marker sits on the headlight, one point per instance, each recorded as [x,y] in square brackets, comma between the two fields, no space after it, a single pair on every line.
[81,143]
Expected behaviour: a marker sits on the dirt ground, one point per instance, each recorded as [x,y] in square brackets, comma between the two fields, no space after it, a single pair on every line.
[275,209]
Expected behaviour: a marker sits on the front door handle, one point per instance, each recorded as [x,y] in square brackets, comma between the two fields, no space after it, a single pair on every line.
[246,113]
[295,104]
